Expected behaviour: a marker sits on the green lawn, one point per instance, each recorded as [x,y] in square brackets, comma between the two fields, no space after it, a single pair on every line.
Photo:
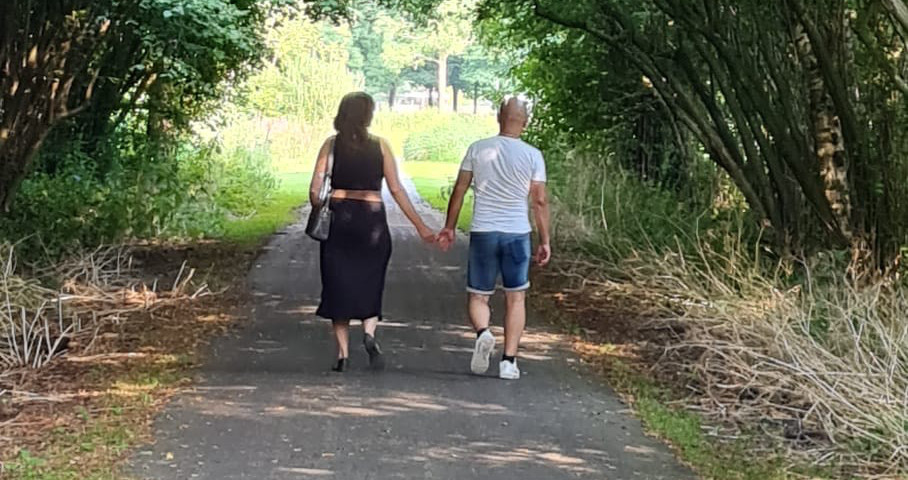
[433,182]
[292,192]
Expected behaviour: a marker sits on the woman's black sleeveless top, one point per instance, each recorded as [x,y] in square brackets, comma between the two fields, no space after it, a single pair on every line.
[357,167]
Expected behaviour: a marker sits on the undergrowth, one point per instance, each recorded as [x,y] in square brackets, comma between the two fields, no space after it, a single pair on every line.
[797,347]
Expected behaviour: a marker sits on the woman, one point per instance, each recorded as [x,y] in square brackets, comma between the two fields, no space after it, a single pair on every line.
[355,257]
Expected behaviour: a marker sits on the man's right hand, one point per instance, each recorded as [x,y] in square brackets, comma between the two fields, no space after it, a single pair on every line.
[446,239]
[543,254]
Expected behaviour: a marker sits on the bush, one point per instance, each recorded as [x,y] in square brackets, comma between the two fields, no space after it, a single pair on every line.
[793,340]
[447,138]
[146,190]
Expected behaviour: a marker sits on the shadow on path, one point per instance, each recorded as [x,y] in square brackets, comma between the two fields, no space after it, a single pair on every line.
[267,407]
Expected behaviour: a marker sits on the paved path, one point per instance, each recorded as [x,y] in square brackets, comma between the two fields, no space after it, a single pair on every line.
[267,407]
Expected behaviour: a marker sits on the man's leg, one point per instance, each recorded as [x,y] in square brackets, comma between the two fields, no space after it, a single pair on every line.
[515,272]
[485,341]
[480,313]
[515,320]
[481,275]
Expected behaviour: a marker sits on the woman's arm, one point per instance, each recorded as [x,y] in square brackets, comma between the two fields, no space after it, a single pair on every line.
[400,195]
[318,174]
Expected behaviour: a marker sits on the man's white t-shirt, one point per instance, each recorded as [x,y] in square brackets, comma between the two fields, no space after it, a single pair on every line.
[503,169]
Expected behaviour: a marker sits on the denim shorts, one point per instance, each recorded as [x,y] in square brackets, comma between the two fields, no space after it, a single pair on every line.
[494,254]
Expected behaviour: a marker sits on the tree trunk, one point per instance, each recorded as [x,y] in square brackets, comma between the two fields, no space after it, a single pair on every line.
[442,80]
[454,98]
[827,137]
[391,93]
[16,154]
[475,98]
[43,54]
[431,100]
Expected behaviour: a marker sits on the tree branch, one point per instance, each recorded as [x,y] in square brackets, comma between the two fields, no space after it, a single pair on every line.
[544,13]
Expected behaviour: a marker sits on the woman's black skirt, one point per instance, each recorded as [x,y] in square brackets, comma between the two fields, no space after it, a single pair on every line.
[354,261]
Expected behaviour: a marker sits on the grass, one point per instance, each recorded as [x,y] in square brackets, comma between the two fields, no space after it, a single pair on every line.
[90,439]
[93,440]
[657,407]
[684,431]
[292,193]
[434,181]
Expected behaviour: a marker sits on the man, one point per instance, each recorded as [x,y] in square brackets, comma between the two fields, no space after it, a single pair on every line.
[505,172]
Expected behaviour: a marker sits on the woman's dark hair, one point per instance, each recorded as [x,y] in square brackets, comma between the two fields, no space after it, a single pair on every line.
[354,117]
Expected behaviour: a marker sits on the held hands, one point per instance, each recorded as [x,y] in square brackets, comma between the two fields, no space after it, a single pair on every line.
[446,238]
[427,235]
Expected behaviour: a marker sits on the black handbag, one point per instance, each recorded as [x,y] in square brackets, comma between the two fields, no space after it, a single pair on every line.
[319,224]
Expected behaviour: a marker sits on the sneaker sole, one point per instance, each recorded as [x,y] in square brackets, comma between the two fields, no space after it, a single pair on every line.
[481,353]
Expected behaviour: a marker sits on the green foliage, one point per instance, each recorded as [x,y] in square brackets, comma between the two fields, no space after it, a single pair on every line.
[610,213]
[481,71]
[147,190]
[798,123]
[434,182]
[307,76]
[447,141]
[367,47]
[292,191]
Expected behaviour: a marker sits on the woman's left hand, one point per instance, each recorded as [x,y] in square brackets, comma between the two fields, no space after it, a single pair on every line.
[427,235]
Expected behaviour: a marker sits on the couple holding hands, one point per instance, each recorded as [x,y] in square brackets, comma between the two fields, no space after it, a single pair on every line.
[507,175]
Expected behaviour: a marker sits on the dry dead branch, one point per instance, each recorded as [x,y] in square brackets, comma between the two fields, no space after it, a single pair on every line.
[822,364]
[37,323]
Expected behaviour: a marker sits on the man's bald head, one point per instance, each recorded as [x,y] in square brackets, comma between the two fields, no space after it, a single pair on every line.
[513,115]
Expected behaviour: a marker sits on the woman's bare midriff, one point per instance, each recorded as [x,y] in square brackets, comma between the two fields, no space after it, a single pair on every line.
[361,195]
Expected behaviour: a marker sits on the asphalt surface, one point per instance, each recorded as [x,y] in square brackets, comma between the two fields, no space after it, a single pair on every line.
[267,407]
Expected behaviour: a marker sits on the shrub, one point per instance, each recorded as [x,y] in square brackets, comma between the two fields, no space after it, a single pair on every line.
[793,340]
[145,190]
[446,140]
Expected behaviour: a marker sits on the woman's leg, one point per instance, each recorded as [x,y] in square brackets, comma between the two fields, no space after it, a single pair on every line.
[375,357]
[370,325]
[342,337]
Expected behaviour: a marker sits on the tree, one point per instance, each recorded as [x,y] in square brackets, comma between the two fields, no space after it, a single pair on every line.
[59,57]
[422,76]
[165,61]
[306,75]
[366,51]
[448,34]
[431,41]
[782,97]
[480,72]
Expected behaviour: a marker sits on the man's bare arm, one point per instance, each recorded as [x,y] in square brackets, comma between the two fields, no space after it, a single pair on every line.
[455,204]
[542,213]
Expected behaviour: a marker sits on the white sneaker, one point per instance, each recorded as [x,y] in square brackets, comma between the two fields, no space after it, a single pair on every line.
[482,350]
[508,370]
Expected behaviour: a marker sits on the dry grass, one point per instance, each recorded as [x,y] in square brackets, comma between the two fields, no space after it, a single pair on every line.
[37,323]
[821,363]
[811,351]
[130,341]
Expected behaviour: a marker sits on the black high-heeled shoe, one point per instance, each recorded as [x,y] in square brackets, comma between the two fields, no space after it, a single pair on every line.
[341,365]
[376,360]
